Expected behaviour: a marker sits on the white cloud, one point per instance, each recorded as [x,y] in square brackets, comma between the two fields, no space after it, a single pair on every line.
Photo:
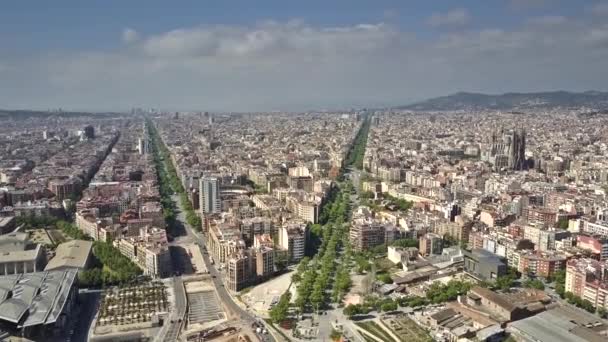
[600,9]
[129,35]
[598,36]
[295,65]
[267,39]
[455,17]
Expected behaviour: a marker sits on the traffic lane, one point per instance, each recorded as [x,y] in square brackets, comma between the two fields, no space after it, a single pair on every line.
[89,303]
[219,285]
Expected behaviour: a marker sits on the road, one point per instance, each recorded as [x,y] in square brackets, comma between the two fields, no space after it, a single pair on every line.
[88,304]
[177,317]
[192,237]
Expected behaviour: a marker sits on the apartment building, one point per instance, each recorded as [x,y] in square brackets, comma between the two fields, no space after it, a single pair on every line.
[430,244]
[541,264]
[367,234]
[588,279]
[19,255]
[149,250]
[292,237]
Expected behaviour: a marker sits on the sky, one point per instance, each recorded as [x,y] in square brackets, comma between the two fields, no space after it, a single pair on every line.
[263,55]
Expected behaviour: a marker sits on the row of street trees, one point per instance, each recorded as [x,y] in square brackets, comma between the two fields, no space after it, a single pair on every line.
[312,289]
[169,182]
[322,278]
[357,151]
[326,276]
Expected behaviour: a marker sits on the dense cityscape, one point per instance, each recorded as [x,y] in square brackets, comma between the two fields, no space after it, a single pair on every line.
[383,225]
[304,171]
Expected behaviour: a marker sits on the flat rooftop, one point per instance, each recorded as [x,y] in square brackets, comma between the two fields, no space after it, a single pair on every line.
[73,253]
[562,324]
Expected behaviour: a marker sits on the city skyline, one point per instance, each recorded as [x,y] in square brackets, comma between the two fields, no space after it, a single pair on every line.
[238,57]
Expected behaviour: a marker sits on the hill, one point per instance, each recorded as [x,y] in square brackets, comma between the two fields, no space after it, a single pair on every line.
[512,101]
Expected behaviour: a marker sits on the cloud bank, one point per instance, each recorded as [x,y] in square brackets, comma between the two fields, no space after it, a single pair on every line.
[294,65]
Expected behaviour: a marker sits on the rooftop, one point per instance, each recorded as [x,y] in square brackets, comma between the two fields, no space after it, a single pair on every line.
[73,253]
[39,297]
[4,221]
[561,324]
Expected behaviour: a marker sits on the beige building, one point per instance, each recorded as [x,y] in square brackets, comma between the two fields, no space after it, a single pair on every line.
[264,262]
[98,229]
[223,241]
[19,255]
[240,270]
[292,237]
[588,279]
[367,234]
[149,250]
[71,254]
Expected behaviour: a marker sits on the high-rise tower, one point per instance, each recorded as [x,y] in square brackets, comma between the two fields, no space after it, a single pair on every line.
[209,195]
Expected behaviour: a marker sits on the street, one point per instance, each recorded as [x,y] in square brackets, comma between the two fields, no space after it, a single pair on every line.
[88,306]
[177,318]
[192,237]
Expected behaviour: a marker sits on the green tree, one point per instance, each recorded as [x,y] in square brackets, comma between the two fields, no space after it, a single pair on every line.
[504,282]
[385,278]
[335,335]
[351,310]
[534,284]
[390,306]
[602,312]
[405,243]
[279,312]
[560,282]
[563,223]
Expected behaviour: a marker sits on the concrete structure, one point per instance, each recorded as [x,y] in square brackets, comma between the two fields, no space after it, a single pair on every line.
[38,305]
[507,150]
[149,250]
[7,224]
[484,265]
[588,279]
[66,187]
[598,245]
[292,237]
[366,235]
[430,244]
[19,255]
[562,324]
[541,264]
[264,262]
[400,255]
[507,307]
[71,254]
[240,267]
[250,227]
[209,192]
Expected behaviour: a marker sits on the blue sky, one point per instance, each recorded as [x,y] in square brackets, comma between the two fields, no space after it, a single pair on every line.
[292,55]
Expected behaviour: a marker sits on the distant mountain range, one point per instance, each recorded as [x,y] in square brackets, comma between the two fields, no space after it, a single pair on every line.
[513,101]
[25,114]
